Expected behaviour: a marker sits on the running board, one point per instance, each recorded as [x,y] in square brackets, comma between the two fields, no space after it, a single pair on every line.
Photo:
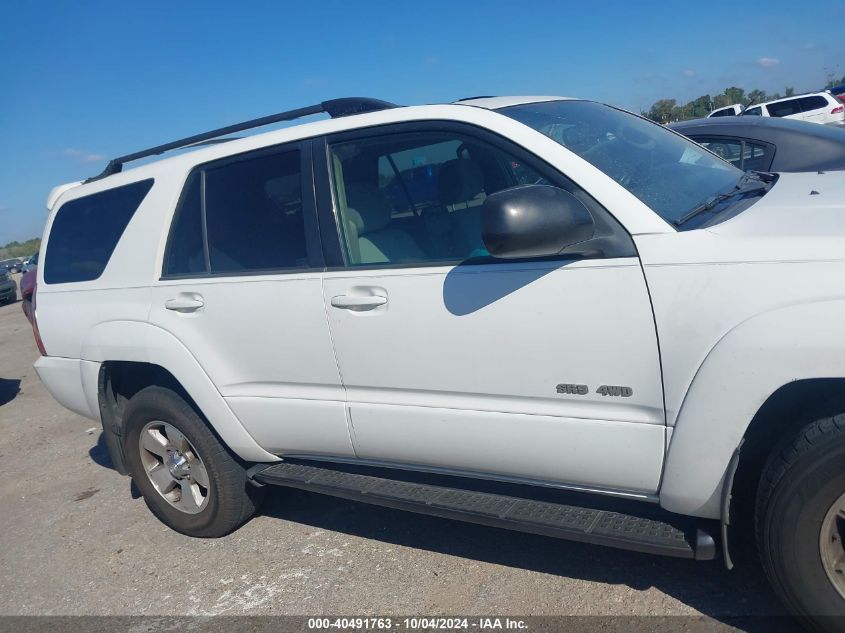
[569,522]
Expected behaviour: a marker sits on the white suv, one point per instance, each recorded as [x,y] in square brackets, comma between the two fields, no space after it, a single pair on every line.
[536,313]
[819,107]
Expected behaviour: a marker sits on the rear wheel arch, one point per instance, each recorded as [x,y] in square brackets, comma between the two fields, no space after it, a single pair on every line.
[157,356]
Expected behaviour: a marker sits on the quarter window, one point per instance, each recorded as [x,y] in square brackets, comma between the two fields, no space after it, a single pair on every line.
[86,231]
[813,103]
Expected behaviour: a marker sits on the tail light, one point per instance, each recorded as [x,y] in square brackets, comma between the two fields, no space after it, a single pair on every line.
[34,322]
[838,110]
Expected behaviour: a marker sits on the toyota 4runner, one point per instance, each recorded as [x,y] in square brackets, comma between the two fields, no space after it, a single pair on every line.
[535,313]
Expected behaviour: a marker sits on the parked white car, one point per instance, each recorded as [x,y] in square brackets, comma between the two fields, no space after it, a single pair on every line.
[536,313]
[818,107]
[731,110]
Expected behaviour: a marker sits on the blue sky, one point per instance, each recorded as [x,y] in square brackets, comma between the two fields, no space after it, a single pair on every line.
[82,81]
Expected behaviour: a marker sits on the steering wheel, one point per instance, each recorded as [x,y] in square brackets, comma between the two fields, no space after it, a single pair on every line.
[634,137]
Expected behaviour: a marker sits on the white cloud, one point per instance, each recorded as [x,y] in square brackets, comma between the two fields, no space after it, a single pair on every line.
[688,72]
[312,82]
[83,156]
[767,62]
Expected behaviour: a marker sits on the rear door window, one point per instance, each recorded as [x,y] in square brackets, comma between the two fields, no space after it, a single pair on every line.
[240,216]
[86,231]
[784,108]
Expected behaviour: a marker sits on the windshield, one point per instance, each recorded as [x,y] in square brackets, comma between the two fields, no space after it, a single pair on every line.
[667,172]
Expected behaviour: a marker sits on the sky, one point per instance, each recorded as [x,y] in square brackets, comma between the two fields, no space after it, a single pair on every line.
[83,81]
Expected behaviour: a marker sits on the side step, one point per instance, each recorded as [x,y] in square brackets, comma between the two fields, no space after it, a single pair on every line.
[570,522]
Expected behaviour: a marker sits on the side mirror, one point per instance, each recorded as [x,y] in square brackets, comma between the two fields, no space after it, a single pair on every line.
[533,221]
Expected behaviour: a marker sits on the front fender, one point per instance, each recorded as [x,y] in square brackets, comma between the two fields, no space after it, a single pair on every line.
[145,343]
[748,364]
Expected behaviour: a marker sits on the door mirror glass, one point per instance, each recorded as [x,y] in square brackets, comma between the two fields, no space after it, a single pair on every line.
[534,221]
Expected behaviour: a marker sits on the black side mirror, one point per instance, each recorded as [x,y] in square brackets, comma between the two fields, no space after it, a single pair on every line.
[533,221]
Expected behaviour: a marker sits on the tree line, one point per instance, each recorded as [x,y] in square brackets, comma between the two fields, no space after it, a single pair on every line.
[668,110]
[20,249]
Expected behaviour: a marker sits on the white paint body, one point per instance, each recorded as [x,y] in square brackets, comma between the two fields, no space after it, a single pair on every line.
[731,110]
[457,371]
[831,113]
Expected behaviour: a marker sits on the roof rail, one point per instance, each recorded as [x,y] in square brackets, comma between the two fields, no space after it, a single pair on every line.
[334,108]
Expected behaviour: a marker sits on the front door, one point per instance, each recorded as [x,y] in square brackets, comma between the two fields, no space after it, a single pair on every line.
[241,288]
[532,370]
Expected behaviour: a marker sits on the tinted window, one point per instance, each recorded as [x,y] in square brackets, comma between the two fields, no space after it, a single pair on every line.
[185,251]
[725,112]
[417,197]
[741,154]
[85,232]
[813,103]
[756,111]
[253,218]
[254,214]
[784,108]
[754,157]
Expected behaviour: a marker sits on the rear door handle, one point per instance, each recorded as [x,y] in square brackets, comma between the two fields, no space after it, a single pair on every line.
[184,303]
[359,302]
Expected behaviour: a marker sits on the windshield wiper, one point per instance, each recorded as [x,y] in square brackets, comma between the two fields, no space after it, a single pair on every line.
[749,182]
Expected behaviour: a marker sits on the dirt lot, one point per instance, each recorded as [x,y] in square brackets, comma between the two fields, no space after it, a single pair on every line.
[76,539]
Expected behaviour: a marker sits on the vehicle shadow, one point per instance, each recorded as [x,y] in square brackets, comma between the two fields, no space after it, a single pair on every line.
[740,598]
[9,389]
[99,453]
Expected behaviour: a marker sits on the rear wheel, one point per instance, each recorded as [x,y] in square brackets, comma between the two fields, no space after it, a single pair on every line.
[801,523]
[187,477]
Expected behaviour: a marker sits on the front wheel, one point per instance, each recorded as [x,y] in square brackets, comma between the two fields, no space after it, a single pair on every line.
[801,523]
[187,477]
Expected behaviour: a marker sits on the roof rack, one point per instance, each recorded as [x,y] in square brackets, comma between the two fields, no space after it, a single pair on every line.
[334,108]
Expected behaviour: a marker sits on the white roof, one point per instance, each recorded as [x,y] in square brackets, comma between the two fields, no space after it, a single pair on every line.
[493,103]
[457,111]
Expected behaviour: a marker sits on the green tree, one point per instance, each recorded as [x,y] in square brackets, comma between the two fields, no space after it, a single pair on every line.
[662,110]
[701,107]
[833,81]
[721,101]
[20,249]
[788,91]
[755,96]
[735,95]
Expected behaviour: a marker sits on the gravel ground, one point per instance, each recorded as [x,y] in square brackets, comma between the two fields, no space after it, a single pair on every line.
[75,539]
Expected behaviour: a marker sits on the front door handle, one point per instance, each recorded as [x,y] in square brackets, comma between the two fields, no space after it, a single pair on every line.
[358,302]
[184,303]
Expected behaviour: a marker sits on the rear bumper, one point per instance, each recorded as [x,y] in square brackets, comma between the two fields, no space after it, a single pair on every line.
[72,382]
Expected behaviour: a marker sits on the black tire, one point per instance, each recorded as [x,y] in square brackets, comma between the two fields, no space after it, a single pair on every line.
[231,499]
[801,481]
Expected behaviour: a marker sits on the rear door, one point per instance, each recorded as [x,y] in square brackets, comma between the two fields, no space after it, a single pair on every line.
[542,370]
[786,109]
[241,289]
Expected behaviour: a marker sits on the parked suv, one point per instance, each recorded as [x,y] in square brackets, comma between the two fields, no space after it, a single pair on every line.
[819,107]
[576,323]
